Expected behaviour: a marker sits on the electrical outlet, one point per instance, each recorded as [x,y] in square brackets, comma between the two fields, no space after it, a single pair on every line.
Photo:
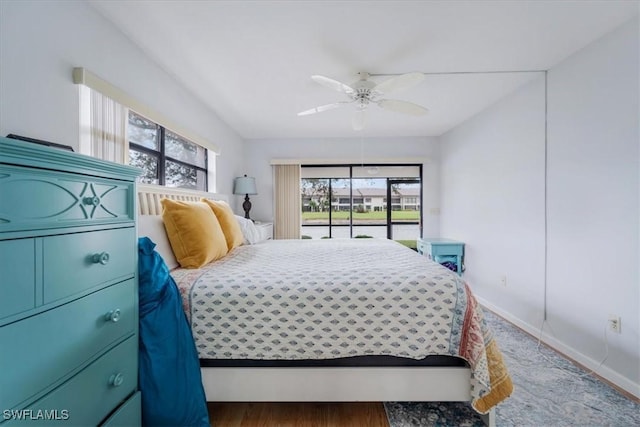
[615,324]
[503,280]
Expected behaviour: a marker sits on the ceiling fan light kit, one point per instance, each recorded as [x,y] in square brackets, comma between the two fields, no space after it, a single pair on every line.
[364,92]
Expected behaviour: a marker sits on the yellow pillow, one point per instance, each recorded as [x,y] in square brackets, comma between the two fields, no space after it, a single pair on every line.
[194,232]
[228,222]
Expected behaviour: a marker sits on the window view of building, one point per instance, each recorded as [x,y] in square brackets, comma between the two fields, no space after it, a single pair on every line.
[350,201]
[373,199]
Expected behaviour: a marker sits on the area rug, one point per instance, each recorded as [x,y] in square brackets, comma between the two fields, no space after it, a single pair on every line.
[548,391]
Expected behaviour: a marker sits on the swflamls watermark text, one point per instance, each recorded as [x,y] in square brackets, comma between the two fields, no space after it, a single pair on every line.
[36,414]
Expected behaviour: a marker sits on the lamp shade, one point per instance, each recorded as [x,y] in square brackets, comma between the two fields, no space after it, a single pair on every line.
[244,185]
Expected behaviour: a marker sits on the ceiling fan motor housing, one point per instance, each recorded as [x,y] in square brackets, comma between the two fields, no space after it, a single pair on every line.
[363,93]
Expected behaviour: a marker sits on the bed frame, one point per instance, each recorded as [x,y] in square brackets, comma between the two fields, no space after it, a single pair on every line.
[319,384]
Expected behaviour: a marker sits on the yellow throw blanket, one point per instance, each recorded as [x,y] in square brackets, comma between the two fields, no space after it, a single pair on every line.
[501,385]
[490,380]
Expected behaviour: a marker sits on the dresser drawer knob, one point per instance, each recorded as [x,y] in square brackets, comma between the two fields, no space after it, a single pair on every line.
[101,258]
[112,316]
[91,201]
[116,380]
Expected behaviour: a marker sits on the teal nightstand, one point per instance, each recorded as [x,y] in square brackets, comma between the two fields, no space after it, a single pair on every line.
[442,250]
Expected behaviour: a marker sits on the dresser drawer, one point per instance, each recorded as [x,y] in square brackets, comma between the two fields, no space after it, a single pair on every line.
[436,250]
[87,398]
[18,284]
[129,414]
[37,199]
[77,262]
[43,349]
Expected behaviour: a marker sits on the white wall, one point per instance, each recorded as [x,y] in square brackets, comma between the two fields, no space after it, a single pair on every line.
[259,154]
[593,211]
[493,198]
[41,42]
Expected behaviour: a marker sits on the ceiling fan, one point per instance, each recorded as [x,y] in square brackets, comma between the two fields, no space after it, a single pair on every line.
[364,92]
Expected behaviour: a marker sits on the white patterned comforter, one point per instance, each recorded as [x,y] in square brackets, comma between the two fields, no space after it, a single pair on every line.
[301,299]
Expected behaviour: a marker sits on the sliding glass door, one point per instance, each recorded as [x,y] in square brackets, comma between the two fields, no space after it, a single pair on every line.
[405,198]
[368,208]
[361,201]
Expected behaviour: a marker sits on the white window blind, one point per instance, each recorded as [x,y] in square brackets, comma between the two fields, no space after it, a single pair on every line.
[103,127]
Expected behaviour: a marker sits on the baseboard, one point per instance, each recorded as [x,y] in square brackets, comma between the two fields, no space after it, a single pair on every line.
[610,376]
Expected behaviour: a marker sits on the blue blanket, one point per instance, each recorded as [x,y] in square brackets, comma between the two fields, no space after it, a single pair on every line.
[169,369]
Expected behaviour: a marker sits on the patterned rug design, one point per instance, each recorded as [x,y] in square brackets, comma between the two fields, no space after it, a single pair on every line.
[549,391]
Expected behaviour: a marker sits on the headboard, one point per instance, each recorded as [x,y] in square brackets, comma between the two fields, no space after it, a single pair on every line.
[149,197]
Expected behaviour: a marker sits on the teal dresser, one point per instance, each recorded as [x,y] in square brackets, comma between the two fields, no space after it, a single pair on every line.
[442,251]
[68,289]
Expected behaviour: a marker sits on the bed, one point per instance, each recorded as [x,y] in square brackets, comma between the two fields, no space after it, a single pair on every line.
[332,320]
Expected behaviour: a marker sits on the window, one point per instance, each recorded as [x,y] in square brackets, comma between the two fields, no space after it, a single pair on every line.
[167,153]
[359,196]
[165,157]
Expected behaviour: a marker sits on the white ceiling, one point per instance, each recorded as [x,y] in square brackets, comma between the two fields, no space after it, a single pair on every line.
[251,61]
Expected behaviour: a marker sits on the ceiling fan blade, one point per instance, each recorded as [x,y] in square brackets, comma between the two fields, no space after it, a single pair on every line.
[400,82]
[359,119]
[333,84]
[404,107]
[322,108]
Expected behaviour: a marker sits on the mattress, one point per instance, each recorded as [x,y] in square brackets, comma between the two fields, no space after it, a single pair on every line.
[355,361]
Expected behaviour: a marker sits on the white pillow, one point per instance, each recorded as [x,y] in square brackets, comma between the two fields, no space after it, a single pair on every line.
[249,230]
[151,226]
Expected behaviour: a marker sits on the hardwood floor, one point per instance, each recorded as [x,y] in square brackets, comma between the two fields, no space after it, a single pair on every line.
[356,414]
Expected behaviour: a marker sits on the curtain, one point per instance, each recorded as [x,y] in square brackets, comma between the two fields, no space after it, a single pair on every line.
[287,201]
[103,127]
